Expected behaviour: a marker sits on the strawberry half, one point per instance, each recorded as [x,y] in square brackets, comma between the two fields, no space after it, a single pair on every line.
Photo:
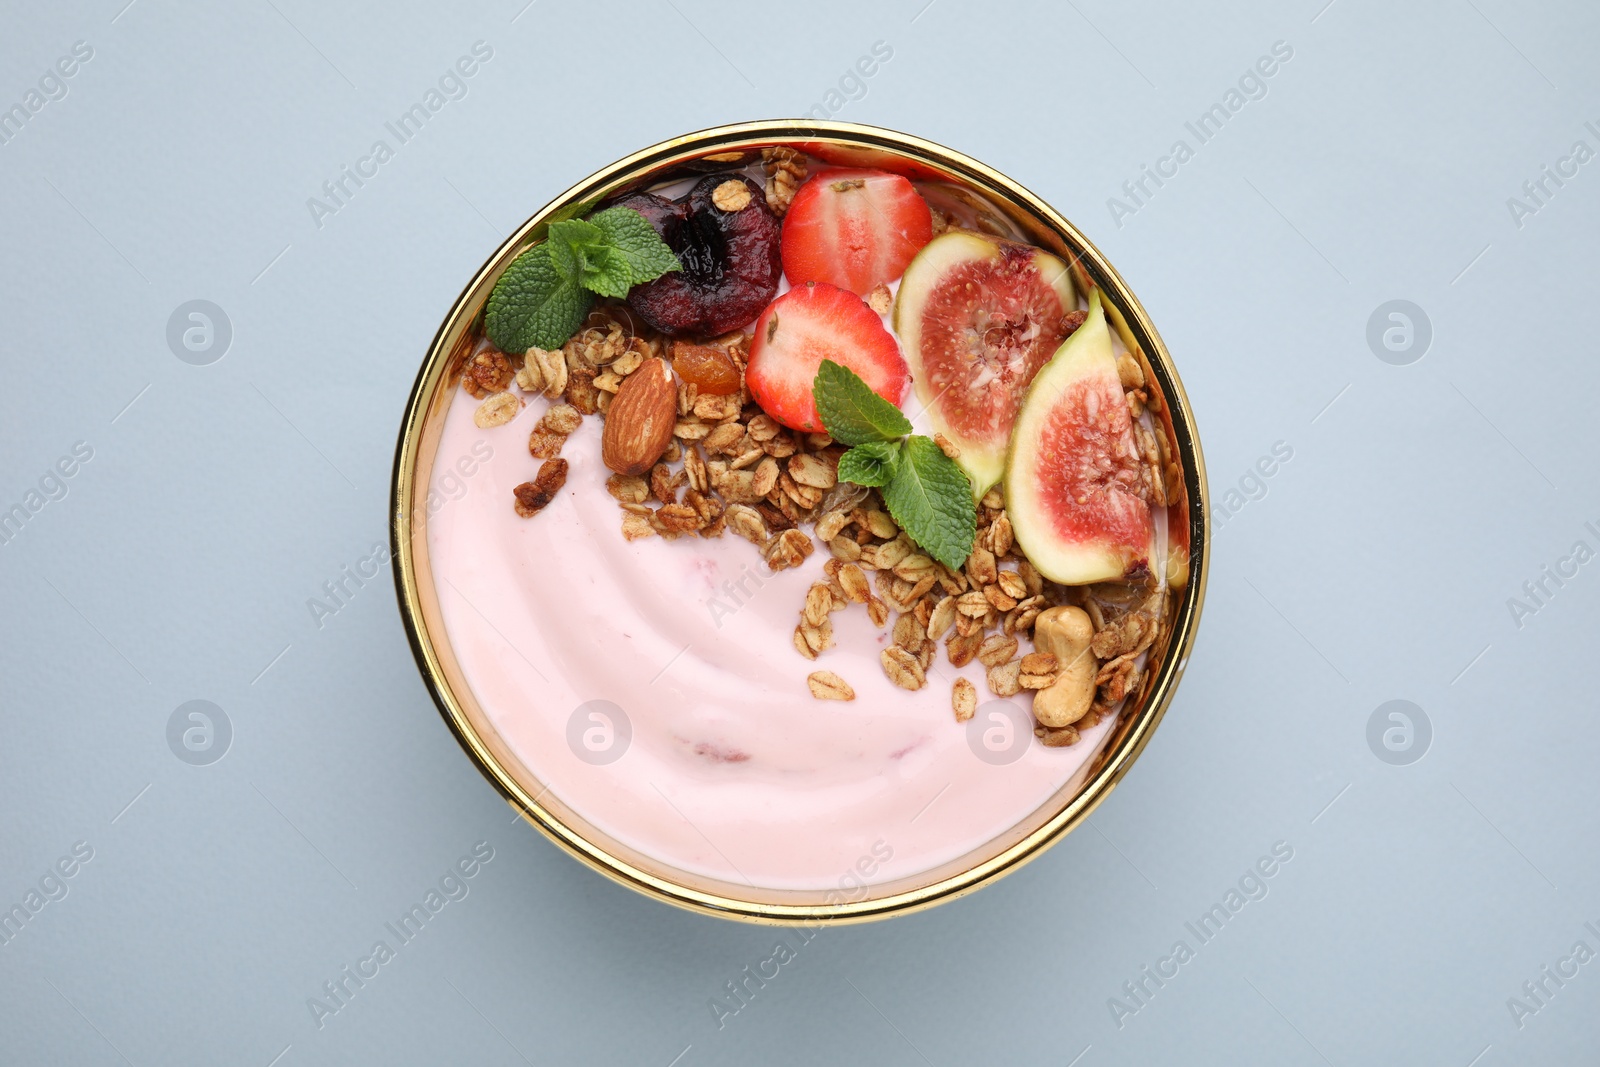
[855,228]
[803,327]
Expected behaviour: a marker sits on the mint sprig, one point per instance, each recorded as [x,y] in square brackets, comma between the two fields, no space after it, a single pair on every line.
[924,490]
[535,304]
[544,296]
[931,498]
[851,411]
[633,240]
[871,463]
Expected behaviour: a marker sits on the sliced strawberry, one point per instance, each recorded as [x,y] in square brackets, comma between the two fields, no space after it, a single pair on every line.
[854,228]
[803,327]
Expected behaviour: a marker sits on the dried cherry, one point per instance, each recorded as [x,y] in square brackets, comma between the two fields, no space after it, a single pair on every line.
[730,259]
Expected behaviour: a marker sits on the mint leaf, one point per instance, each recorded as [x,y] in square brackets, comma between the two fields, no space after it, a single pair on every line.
[870,463]
[534,304]
[926,492]
[573,243]
[543,297]
[605,271]
[627,231]
[851,411]
[563,257]
[931,498]
[577,232]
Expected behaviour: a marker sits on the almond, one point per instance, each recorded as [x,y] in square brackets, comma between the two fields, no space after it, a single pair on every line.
[640,420]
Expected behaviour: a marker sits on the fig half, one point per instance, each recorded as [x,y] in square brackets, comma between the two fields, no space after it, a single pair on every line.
[1075,488]
[977,317]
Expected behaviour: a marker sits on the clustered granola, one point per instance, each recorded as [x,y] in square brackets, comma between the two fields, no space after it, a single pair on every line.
[488,371]
[740,470]
[533,497]
[731,466]
[786,171]
[1164,476]
[985,611]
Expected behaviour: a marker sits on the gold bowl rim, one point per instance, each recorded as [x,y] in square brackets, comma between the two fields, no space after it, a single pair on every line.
[1130,735]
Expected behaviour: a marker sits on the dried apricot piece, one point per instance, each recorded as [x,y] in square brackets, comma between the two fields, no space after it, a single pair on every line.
[709,367]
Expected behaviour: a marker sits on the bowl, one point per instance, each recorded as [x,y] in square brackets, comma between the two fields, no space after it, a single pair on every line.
[1058,814]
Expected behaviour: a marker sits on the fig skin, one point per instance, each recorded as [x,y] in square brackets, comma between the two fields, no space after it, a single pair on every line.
[730,260]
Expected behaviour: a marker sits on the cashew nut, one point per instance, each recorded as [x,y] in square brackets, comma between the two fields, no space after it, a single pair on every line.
[1065,632]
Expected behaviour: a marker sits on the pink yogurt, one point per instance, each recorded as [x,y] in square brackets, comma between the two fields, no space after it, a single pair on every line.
[733,769]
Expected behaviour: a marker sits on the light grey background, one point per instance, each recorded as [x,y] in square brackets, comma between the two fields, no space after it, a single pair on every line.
[1377,566]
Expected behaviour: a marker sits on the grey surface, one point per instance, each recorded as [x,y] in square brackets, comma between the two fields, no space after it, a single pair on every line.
[1376,567]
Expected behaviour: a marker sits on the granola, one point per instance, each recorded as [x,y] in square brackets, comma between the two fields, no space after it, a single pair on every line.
[728,465]
[786,169]
[825,685]
[533,497]
[496,410]
[488,371]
